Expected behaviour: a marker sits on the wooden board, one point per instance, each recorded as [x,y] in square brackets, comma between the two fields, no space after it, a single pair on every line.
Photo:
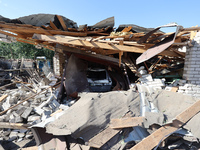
[126,122]
[8,125]
[25,30]
[3,97]
[100,139]
[152,140]
[127,29]
[174,89]
[53,26]
[62,22]
[162,133]
[91,44]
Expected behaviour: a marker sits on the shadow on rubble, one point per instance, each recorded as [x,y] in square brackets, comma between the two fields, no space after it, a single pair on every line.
[10,145]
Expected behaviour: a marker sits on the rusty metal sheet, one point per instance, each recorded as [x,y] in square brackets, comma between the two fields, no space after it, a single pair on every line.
[159,47]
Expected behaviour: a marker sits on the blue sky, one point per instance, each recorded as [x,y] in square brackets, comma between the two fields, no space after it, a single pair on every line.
[146,13]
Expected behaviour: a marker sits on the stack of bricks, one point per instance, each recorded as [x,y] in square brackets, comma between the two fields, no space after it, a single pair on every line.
[156,84]
[190,89]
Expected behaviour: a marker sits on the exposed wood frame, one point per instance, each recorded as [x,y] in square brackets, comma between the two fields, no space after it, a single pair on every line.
[126,122]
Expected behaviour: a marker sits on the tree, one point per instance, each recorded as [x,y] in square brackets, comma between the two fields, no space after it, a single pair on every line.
[17,50]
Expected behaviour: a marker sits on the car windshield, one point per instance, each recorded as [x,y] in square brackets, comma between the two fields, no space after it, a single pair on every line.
[96,75]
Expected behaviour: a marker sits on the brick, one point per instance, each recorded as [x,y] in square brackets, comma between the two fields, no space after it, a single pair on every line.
[18,119]
[13,135]
[192,63]
[197,62]
[193,66]
[194,59]
[181,91]
[198,75]
[190,92]
[38,110]
[193,82]
[198,55]
[33,118]
[198,82]
[187,94]
[193,48]
[188,75]
[192,56]
[198,69]
[27,112]
[21,135]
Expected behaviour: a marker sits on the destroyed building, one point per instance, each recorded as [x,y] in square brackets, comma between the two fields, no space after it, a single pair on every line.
[131,88]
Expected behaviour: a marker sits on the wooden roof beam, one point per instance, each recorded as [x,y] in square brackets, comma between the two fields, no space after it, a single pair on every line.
[90,44]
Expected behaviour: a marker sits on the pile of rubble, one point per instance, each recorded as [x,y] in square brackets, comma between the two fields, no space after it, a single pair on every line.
[143,117]
[106,98]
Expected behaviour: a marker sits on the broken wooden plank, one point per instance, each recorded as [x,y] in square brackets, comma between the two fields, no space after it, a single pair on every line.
[66,40]
[190,29]
[8,125]
[60,19]
[130,64]
[18,29]
[174,89]
[126,122]
[162,133]
[127,29]
[120,58]
[58,111]
[3,97]
[100,139]
[53,26]
[152,140]
[98,57]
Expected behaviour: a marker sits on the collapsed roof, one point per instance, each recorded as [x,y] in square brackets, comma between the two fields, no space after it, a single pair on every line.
[50,30]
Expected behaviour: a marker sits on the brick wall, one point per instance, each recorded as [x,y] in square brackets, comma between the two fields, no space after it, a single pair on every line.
[192,62]
[192,69]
